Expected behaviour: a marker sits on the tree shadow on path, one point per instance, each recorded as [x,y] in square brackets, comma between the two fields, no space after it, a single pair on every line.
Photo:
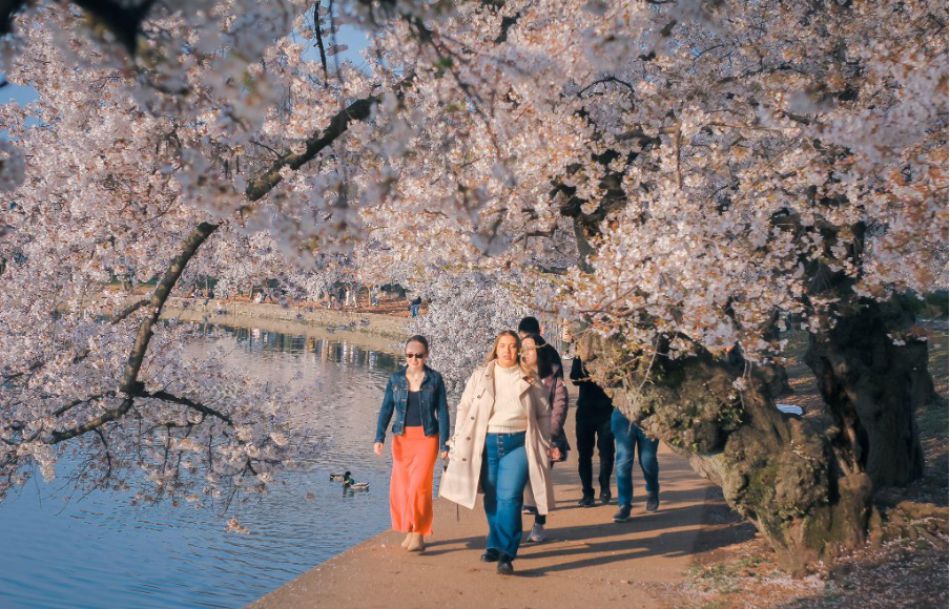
[599,544]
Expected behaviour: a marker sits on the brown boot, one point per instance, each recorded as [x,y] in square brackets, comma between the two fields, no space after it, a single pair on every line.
[415,543]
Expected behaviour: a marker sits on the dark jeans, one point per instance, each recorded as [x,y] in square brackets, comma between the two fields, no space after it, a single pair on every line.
[593,431]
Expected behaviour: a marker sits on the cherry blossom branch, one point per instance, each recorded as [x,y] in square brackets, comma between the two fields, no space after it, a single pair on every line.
[168,397]
[260,186]
[105,444]
[64,409]
[132,308]
[95,423]
[130,385]
[122,19]
[319,43]
[359,110]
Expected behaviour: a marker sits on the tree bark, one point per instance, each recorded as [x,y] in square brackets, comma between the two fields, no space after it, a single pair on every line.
[130,376]
[871,369]
[801,487]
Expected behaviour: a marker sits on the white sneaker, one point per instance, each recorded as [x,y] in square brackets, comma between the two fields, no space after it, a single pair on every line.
[537,533]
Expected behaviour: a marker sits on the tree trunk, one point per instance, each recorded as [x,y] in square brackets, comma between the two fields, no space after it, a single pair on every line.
[802,487]
[871,369]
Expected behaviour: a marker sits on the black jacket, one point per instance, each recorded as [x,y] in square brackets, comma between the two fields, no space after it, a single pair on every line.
[591,401]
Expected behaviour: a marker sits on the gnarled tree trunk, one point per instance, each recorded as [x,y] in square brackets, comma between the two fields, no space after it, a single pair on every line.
[803,489]
[871,369]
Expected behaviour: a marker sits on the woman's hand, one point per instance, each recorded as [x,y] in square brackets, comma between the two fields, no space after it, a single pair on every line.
[554,453]
[378,448]
[445,455]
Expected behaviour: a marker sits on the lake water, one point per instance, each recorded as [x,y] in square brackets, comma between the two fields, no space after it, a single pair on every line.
[99,552]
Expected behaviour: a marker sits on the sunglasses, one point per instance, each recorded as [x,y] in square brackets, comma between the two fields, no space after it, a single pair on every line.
[415,355]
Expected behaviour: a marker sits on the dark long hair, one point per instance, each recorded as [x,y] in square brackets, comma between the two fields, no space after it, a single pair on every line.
[546,359]
[418,338]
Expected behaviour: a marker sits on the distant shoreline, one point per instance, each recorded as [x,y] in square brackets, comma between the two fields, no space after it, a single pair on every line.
[368,330]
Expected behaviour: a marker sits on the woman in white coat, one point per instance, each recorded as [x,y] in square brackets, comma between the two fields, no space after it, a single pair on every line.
[502,439]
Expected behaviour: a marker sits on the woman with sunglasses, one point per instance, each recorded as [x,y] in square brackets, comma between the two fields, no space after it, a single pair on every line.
[502,440]
[416,394]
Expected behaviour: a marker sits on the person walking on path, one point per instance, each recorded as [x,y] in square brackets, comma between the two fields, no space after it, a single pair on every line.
[416,394]
[630,437]
[539,358]
[414,305]
[594,410]
[502,439]
[531,325]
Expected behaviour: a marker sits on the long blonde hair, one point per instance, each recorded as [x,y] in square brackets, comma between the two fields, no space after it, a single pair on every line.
[493,354]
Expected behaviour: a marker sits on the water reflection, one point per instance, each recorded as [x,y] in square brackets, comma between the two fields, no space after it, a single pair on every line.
[101,553]
[255,340]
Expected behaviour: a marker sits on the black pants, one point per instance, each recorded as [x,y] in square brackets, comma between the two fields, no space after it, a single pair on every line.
[587,428]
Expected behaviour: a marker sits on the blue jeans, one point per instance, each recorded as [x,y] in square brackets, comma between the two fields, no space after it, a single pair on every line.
[629,436]
[504,476]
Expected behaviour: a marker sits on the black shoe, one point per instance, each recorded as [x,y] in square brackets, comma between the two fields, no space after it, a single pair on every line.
[504,566]
[623,514]
[605,497]
[490,555]
[653,502]
[586,501]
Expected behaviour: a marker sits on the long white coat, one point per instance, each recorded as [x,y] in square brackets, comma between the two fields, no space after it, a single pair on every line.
[461,481]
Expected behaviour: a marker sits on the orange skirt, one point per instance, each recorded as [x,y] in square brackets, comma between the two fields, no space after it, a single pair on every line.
[410,488]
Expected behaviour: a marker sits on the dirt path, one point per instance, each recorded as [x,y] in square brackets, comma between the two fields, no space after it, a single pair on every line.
[588,562]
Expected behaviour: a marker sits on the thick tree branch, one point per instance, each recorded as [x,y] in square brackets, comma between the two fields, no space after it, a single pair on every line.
[64,409]
[93,424]
[168,397]
[132,308]
[130,384]
[359,110]
[319,43]
[123,19]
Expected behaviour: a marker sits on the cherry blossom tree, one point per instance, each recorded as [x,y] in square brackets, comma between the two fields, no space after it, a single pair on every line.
[688,178]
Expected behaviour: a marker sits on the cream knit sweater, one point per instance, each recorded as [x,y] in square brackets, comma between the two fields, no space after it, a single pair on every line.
[508,414]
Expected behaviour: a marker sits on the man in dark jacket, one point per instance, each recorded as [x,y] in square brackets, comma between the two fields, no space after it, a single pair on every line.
[594,409]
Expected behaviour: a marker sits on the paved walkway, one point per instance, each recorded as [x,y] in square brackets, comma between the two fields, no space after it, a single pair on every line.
[588,562]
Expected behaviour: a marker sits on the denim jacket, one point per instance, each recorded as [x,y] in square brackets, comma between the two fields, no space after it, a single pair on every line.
[434,408]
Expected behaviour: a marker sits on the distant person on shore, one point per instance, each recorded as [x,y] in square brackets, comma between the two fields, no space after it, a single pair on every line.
[594,409]
[542,361]
[414,305]
[416,393]
[630,437]
[502,439]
